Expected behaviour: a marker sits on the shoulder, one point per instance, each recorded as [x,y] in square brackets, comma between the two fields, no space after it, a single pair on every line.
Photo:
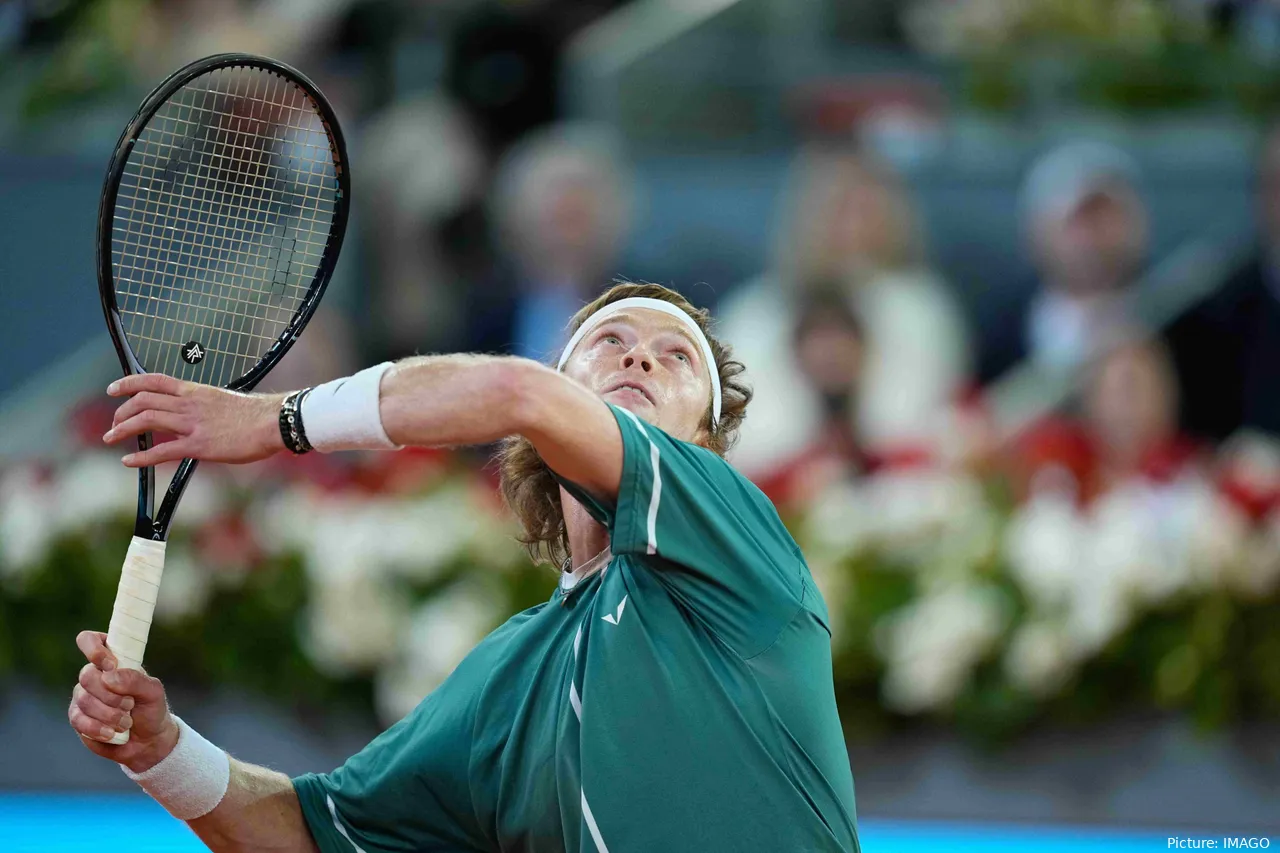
[1234,300]
[700,472]
[1240,289]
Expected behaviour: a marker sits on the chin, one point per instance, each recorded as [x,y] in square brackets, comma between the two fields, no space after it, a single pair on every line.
[635,404]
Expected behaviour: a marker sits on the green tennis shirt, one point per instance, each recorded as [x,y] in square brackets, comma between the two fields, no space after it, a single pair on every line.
[680,699]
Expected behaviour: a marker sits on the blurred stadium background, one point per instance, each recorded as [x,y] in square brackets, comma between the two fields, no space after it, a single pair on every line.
[1006,275]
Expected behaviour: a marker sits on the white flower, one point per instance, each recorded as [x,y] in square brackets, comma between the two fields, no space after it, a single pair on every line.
[444,630]
[1133,546]
[353,622]
[1044,548]
[184,589]
[426,534]
[203,498]
[931,646]
[1097,613]
[27,524]
[1214,531]
[1039,658]
[932,519]
[836,523]
[1258,572]
[413,538]
[94,487]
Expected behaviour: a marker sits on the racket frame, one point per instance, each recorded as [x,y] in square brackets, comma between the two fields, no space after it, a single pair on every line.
[153,524]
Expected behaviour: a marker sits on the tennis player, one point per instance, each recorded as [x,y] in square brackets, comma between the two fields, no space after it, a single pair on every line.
[675,694]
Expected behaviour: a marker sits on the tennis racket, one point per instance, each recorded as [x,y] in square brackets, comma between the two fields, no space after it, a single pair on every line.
[220,223]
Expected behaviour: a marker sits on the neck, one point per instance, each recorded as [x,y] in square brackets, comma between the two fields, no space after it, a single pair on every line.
[587,537]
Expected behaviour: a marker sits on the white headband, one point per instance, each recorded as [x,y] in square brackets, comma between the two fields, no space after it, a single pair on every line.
[666,308]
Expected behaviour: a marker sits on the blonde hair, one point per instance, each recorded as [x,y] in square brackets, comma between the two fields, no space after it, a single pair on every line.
[529,488]
[820,173]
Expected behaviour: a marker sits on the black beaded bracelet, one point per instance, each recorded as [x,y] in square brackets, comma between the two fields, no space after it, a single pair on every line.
[291,430]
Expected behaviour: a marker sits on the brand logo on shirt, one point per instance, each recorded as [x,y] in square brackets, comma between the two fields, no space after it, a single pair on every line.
[615,618]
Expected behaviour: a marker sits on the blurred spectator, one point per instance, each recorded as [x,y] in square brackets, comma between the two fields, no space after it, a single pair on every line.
[502,68]
[1227,348]
[561,206]
[846,218]
[504,65]
[829,350]
[1087,230]
[423,171]
[1131,408]
[1127,429]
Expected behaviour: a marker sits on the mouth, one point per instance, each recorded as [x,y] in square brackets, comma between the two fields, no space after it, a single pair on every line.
[631,386]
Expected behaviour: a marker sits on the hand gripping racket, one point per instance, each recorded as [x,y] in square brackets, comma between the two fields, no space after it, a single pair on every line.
[220,223]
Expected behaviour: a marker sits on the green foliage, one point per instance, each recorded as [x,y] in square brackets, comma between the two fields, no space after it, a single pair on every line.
[1209,655]
[93,58]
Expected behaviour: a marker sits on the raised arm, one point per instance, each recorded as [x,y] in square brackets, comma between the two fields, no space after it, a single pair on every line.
[258,812]
[429,401]
[452,400]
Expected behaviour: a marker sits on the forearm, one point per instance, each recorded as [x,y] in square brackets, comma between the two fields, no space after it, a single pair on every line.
[260,812]
[437,401]
[448,400]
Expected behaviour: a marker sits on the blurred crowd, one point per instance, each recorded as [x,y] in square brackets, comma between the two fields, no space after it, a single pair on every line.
[862,357]
[485,219]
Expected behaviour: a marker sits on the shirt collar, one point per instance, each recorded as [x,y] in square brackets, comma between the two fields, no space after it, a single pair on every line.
[568,580]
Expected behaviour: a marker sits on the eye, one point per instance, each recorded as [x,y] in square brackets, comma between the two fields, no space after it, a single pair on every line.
[682,356]
[612,339]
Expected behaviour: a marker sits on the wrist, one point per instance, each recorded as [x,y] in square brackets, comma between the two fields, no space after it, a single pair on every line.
[191,780]
[162,746]
[269,423]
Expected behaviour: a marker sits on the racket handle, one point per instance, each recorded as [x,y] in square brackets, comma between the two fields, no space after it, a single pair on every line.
[135,604]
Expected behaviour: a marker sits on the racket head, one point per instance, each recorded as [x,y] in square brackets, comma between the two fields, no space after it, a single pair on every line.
[221,219]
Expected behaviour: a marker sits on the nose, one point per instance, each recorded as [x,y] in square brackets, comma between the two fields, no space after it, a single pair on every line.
[637,356]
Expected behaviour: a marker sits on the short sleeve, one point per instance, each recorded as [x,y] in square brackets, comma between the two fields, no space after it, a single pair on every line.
[714,539]
[398,793]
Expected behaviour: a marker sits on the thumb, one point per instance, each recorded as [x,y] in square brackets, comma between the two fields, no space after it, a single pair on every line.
[134,682]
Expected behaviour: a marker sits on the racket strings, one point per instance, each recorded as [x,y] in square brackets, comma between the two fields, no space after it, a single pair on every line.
[241,329]
[221,221]
[237,208]
[213,245]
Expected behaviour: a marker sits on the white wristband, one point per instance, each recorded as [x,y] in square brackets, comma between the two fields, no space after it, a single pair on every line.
[343,414]
[190,781]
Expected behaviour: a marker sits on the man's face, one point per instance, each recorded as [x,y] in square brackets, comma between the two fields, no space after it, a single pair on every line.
[647,363]
[1098,244]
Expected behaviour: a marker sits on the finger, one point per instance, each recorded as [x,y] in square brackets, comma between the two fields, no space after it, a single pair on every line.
[170,451]
[137,383]
[91,680]
[94,646]
[148,420]
[135,683]
[89,728]
[141,402]
[94,708]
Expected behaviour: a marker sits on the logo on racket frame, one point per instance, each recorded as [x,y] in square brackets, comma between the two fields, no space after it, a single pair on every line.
[192,352]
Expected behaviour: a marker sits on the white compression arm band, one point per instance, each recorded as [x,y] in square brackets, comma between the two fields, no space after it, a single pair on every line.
[191,780]
[344,415]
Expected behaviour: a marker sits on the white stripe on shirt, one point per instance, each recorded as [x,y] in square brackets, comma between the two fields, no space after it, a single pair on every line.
[591,825]
[656,495]
[342,830]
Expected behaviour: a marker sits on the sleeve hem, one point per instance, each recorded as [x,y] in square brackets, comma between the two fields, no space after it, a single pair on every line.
[311,797]
[625,539]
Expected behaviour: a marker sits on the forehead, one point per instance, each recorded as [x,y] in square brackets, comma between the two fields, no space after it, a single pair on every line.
[650,322]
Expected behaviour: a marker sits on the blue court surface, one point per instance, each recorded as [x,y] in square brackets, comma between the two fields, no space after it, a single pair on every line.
[63,823]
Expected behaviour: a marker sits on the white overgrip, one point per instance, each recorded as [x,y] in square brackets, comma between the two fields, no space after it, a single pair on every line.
[135,605]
